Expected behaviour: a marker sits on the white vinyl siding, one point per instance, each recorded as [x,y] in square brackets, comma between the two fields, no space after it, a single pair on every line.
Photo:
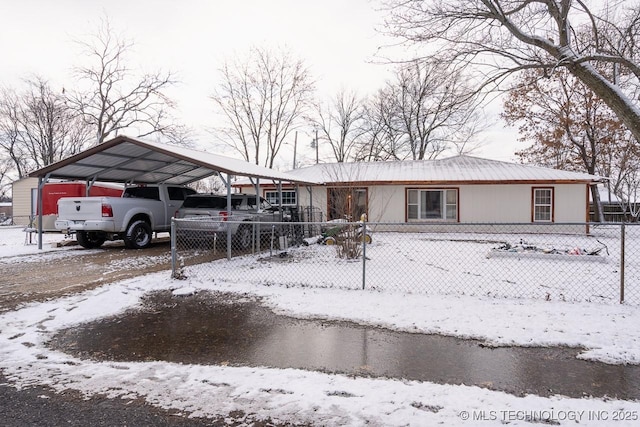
[480,203]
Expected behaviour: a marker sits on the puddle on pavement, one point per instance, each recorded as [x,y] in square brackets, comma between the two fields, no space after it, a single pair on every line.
[217,328]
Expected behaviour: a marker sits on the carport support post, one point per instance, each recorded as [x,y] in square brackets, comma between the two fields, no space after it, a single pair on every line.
[227,182]
[41,183]
[280,207]
[256,225]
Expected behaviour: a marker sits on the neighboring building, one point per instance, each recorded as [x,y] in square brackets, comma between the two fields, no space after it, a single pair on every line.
[6,211]
[22,200]
[614,209]
[461,189]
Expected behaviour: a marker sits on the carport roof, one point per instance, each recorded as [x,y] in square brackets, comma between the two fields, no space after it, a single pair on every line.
[127,159]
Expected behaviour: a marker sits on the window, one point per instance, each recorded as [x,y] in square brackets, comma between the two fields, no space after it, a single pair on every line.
[152,193]
[205,202]
[432,204]
[251,203]
[543,205]
[179,193]
[288,197]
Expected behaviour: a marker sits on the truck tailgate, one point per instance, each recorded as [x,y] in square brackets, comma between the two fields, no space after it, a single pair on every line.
[81,208]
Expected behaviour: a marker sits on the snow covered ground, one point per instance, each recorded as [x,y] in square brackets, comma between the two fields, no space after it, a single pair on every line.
[454,264]
[608,332]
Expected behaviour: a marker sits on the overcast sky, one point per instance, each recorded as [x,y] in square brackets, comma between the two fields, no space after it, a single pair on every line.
[336,38]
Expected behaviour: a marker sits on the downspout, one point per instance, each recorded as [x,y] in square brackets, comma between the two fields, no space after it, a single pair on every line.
[298,228]
[311,225]
[309,190]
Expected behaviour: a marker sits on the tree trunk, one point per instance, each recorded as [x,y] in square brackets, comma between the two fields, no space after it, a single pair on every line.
[597,204]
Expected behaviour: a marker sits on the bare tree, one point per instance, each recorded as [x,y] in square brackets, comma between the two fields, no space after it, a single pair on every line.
[114,97]
[10,138]
[500,37]
[212,185]
[570,127]
[628,193]
[382,137]
[37,127]
[263,99]
[434,106]
[5,178]
[425,111]
[339,123]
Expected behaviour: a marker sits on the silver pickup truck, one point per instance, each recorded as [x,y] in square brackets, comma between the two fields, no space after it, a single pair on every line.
[134,217]
[208,216]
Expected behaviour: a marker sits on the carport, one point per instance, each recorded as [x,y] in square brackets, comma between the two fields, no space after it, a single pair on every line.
[135,161]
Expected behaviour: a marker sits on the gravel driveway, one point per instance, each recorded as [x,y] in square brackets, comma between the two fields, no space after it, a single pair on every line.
[28,278]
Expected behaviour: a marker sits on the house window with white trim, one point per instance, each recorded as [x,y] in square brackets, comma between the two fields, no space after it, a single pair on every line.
[543,205]
[432,204]
[288,197]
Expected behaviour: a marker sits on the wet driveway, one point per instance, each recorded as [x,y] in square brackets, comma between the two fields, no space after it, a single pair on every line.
[216,328]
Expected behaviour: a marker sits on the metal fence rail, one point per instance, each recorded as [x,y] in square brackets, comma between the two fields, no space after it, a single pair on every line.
[553,262]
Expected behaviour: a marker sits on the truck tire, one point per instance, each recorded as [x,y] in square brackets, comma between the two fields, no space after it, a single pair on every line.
[138,235]
[90,239]
[242,238]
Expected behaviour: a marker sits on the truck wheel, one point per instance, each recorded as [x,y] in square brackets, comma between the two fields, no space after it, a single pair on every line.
[138,235]
[90,239]
[242,238]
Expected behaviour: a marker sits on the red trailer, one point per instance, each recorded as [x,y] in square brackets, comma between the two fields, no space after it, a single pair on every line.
[53,191]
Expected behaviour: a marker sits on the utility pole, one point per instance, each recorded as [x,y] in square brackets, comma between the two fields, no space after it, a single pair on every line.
[317,144]
[295,148]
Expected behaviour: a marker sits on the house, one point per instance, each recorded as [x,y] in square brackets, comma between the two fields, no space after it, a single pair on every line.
[460,189]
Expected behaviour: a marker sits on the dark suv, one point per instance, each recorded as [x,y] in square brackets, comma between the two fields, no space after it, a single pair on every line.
[208,216]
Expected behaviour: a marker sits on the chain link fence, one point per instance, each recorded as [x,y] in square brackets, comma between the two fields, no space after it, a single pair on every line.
[553,262]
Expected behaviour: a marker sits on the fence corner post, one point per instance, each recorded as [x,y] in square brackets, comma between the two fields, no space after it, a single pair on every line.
[363,237]
[622,250]
[174,254]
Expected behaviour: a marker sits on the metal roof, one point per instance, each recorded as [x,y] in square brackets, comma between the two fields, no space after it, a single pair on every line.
[457,169]
[132,160]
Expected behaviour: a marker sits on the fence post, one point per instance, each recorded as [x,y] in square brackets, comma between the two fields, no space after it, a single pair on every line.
[363,236]
[174,255]
[622,248]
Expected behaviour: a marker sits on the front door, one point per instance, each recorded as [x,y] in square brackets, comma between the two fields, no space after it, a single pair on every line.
[346,203]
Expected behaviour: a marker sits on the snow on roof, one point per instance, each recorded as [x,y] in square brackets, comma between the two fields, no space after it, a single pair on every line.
[126,159]
[453,169]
